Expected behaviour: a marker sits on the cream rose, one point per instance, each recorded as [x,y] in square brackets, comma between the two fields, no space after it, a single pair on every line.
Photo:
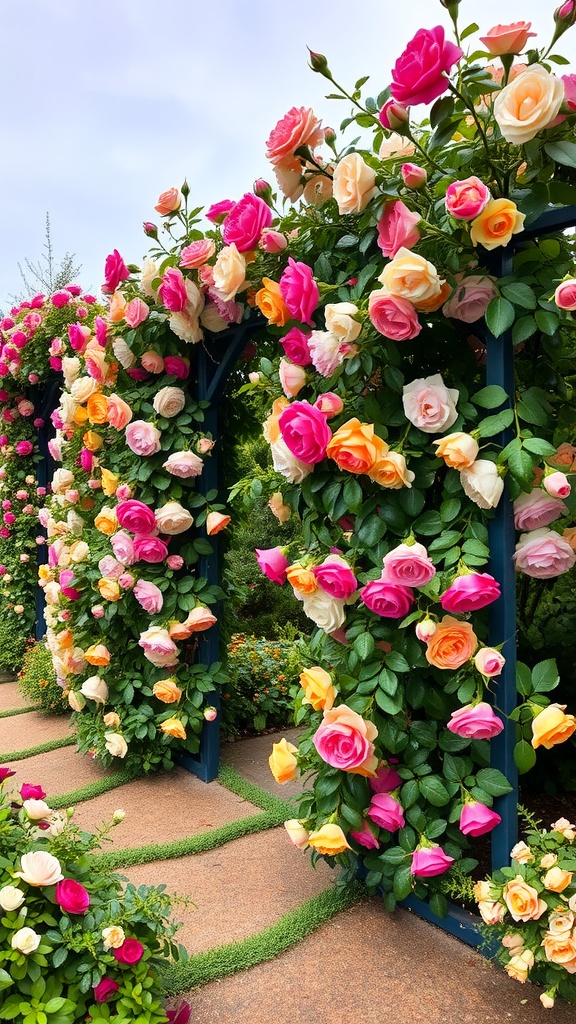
[123,354]
[115,744]
[396,147]
[172,518]
[113,937]
[169,401]
[326,611]
[70,369]
[26,940]
[354,184]
[62,481]
[82,388]
[229,272]
[11,897]
[186,327]
[149,274]
[340,322]
[410,276]
[36,809]
[528,104]
[287,464]
[39,868]
[482,483]
[95,688]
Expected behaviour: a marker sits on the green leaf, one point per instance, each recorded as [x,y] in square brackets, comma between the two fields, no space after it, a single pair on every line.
[500,316]
[545,676]
[364,645]
[353,495]
[562,152]
[538,446]
[439,904]
[547,322]
[386,704]
[402,882]
[523,329]
[520,294]
[521,466]
[441,110]
[429,524]
[349,241]
[524,756]
[396,662]
[468,31]
[523,679]
[434,791]
[493,781]
[494,424]
[490,397]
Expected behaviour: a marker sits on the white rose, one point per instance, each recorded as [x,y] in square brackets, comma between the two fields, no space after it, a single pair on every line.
[326,611]
[482,484]
[79,551]
[186,327]
[57,823]
[115,744]
[528,104]
[229,272]
[70,369]
[11,897]
[82,388]
[287,464]
[95,689]
[123,354]
[396,146]
[169,401]
[172,518]
[195,302]
[354,184]
[36,809]
[149,274]
[340,322]
[62,480]
[26,940]
[39,868]
[67,407]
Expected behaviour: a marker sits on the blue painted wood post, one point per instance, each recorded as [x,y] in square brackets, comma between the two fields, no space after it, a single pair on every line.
[45,398]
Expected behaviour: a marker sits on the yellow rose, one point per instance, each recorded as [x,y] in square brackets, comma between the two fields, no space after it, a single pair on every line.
[303,580]
[92,441]
[109,589]
[97,408]
[390,470]
[354,447]
[109,482]
[410,276]
[458,450]
[106,521]
[167,691]
[283,764]
[97,654]
[552,726]
[79,551]
[329,840]
[528,104]
[556,880]
[80,416]
[499,220]
[271,304]
[354,184]
[522,900]
[173,727]
[318,687]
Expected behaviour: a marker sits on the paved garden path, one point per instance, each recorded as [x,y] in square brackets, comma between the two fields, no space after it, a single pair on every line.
[362,966]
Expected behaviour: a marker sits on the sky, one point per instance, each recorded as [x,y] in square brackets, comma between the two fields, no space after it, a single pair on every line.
[104,104]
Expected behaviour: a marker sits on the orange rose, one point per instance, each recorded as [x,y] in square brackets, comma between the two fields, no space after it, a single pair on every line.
[92,441]
[215,522]
[303,580]
[271,304]
[97,408]
[109,589]
[499,220]
[458,450]
[561,950]
[167,691]
[434,303]
[452,645]
[565,457]
[556,880]
[390,470]
[352,447]
[271,430]
[552,726]
[168,202]
[329,840]
[318,687]
[109,482]
[173,727]
[97,654]
[117,308]
[522,900]
[283,764]
[65,639]
[106,521]
[80,416]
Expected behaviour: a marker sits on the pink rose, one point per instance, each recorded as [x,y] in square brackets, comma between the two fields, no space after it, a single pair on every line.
[273,563]
[130,952]
[115,271]
[149,596]
[475,721]
[429,861]
[366,838]
[197,253]
[136,312]
[413,176]
[143,438]
[344,741]
[295,345]
[335,576]
[466,199]
[246,221]
[158,647]
[272,241]
[183,464]
[105,989]
[387,599]
[219,211]
[537,509]
[476,819]
[123,548]
[24,448]
[305,432]
[326,352]
[385,780]
[299,291]
[489,662]
[175,366]
[471,592]
[172,290]
[397,227]
[408,565]
[175,562]
[168,202]
[292,378]
[429,405]
[149,549]
[329,404]
[71,896]
[470,298]
[543,554]
[507,39]
[299,127]
[569,83]
[119,412]
[135,516]
[393,316]
[419,74]
[152,361]
[386,812]
[393,115]
[110,566]
[557,485]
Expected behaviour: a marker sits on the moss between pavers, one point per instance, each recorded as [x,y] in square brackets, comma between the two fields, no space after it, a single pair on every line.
[41,748]
[20,711]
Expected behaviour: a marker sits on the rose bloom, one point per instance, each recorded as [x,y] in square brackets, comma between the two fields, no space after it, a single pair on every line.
[476,819]
[295,345]
[299,290]
[271,304]
[318,687]
[522,900]
[115,744]
[173,727]
[354,184]
[557,485]
[408,565]
[168,202]
[143,438]
[565,294]
[327,612]
[39,868]
[299,127]
[135,516]
[491,911]
[458,450]
[273,563]
[482,483]
[326,352]
[184,464]
[489,662]
[355,447]
[109,589]
[278,508]
[470,298]
[410,276]
[537,509]
[130,952]
[507,39]
[329,404]
[390,470]
[96,689]
[389,600]
[393,316]
[169,401]
[521,853]
[466,199]
[11,897]
[26,940]
[301,579]
[397,227]
[72,897]
[282,761]
[335,576]
[429,405]
[551,726]
[149,549]
[470,592]
[246,221]
[339,318]
[158,647]
[36,809]
[216,522]
[396,147]
[149,596]
[329,840]
[420,73]
[495,226]
[119,412]
[167,691]
[344,740]
[386,812]
[413,176]
[543,554]
[297,834]
[173,519]
[556,880]
[429,861]
[305,432]
[229,272]
[113,936]
[561,950]
[292,378]
[452,645]
[97,654]
[528,104]
[519,965]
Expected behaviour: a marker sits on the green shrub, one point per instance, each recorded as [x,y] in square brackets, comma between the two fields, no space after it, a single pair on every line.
[13,642]
[262,673]
[37,680]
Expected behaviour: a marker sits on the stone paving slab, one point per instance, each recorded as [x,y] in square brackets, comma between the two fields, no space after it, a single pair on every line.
[250,758]
[239,889]
[31,729]
[368,967]
[163,808]
[58,771]
[10,696]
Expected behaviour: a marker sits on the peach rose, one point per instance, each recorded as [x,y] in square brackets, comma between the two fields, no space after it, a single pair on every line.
[390,470]
[528,104]
[411,277]
[561,950]
[458,450]
[113,937]
[97,654]
[499,220]
[452,645]
[339,317]
[115,744]
[354,447]
[216,522]
[556,880]
[109,589]
[278,508]
[521,853]
[292,378]
[318,687]
[173,727]
[519,965]
[283,764]
[396,147]
[167,691]
[119,412]
[329,840]
[169,401]
[111,720]
[297,833]
[39,868]
[491,911]
[522,900]
[168,202]
[172,518]
[229,272]
[271,304]
[505,39]
[299,127]
[560,923]
[354,184]
[551,726]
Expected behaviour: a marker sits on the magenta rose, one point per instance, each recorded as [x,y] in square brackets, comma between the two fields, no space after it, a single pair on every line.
[130,952]
[393,316]
[149,549]
[295,345]
[408,565]
[475,722]
[386,812]
[175,366]
[143,438]
[476,819]
[219,211]
[471,592]
[6,773]
[543,554]
[71,896]
[115,271]
[135,516]
[366,838]
[273,563]
[466,199]
[385,780]
[397,228]
[24,448]
[149,596]
[30,792]
[470,298]
[246,221]
[123,548]
[344,740]
[387,599]
[172,290]
[335,576]
[105,989]
[299,290]
[537,509]
[430,861]
[305,432]
[419,74]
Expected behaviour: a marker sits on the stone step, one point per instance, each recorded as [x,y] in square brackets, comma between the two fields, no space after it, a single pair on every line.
[20,732]
[10,696]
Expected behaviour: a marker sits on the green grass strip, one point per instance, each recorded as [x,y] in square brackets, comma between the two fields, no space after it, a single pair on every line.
[236,783]
[92,789]
[41,748]
[20,711]
[238,956]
